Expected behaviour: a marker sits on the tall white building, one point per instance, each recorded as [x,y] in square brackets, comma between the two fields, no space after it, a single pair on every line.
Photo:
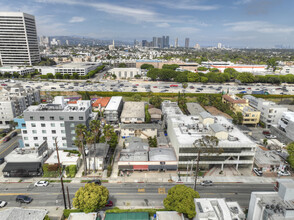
[18,39]
[45,122]
[219,45]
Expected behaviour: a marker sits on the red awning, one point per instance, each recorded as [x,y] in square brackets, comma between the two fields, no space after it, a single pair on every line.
[140,167]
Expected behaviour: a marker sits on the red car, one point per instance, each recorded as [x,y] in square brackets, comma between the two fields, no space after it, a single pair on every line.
[154,86]
[173,86]
[137,84]
[6,139]
[3,84]
[109,204]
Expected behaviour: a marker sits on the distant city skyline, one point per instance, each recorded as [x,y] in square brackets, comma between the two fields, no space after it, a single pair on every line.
[235,23]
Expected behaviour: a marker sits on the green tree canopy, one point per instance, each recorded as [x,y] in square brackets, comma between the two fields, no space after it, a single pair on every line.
[170,66]
[246,77]
[272,63]
[180,198]
[193,77]
[137,97]
[290,159]
[91,198]
[50,76]
[156,101]
[147,66]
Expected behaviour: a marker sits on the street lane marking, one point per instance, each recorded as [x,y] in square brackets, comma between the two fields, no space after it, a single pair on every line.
[8,147]
[14,194]
[141,190]
[161,190]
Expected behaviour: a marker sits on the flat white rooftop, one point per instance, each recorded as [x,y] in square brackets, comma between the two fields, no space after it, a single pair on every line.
[114,103]
[76,65]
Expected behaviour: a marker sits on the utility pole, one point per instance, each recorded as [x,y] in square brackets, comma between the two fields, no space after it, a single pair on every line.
[69,206]
[60,172]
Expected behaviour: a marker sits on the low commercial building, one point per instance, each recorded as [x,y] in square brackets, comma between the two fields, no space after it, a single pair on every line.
[273,205]
[270,112]
[194,108]
[56,120]
[138,130]
[82,215]
[81,69]
[21,70]
[26,161]
[133,112]
[250,115]
[23,213]
[235,147]
[217,209]
[125,73]
[14,100]
[138,156]
[113,109]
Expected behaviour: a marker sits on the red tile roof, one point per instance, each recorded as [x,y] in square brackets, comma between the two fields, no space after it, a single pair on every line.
[232,100]
[101,101]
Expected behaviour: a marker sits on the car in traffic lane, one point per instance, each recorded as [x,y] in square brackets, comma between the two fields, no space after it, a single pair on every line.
[206,183]
[41,183]
[2,203]
[23,199]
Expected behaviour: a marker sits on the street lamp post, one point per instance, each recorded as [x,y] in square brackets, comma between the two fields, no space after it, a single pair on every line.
[60,172]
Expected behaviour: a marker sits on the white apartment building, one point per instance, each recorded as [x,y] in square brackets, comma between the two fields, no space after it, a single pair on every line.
[124,73]
[13,101]
[46,122]
[273,205]
[113,109]
[270,112]
[217,209]
[139,130]
[237,149]
[69,68]
[286,124]
[18,39]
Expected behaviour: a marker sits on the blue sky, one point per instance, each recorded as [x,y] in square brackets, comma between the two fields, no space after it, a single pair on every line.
[252,23]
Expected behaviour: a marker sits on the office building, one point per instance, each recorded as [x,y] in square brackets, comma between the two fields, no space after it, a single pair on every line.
[273,205]
[13,101]
[187,42]
[176,42]
[46,122]
[270,112]
[113,109]
[21,70]
[18,39]
[155,42]
[217,209]
[125,73]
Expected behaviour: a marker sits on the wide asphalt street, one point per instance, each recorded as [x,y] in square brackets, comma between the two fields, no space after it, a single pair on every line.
[6,148]
[127,195]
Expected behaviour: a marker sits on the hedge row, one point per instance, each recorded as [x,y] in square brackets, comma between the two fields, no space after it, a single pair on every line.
[150,211]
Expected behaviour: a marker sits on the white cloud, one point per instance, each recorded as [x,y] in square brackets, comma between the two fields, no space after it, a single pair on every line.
[77,19]
[242,2]
[187,5]
[163,25]
[258,26]
[46,25]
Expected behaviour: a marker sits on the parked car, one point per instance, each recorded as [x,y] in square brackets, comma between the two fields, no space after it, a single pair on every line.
[98,182]
[3,84]
[42,183]
[284,173]
[13,134]
[266,132]
[257,171]
[23,199]
[6,139]
[206,183]
[2,204]
[109,204]
[270,136]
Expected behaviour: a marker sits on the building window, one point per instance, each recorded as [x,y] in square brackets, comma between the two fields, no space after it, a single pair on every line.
[72,125]
[61,118]
[31,117]
[63,138]
[27,145]
[64,144]
[61,124]
[33,125]
[81,118]
[52,118]
[72,132]
[53,131]
[43,131]
[36,145]
[26,138]
[34,132]
[35,138]
[42,118]
[45,138]
[52,124]
[62,131]
[71,118]
[24,131]
[43,125]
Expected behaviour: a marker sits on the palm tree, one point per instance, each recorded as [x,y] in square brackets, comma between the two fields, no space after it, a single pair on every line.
[108,131]
[81,130]
[95,128]
[207,144]
[90,140]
